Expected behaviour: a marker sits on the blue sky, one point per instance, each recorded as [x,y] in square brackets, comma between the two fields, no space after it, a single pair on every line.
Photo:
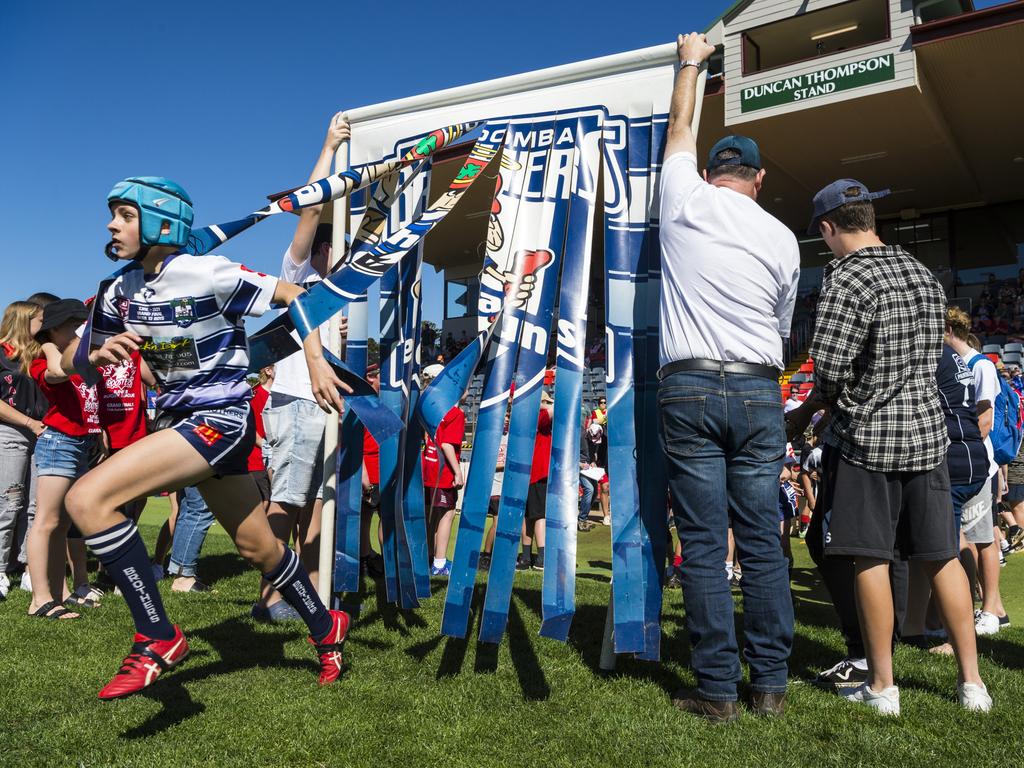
[232,99]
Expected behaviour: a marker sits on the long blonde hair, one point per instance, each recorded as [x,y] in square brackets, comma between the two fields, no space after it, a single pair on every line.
[15,330]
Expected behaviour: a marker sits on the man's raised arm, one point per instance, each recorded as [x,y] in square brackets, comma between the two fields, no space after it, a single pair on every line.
[693,50]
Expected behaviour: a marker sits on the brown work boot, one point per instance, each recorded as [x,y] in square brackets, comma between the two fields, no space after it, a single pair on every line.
[768,704]
[713,711]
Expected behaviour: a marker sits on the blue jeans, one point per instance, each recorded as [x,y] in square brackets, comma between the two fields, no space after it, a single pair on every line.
[589,487]
[194,520]
[724,439]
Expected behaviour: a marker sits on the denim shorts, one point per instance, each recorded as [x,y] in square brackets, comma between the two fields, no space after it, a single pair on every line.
[296,437]
[61,455]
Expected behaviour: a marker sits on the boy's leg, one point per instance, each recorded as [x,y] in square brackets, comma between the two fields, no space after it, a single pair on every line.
[308,538]
[282,519]
[161,460]
[236,503]
[874,606]
[953,594]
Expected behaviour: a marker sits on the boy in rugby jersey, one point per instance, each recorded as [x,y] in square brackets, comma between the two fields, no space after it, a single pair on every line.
[184,314]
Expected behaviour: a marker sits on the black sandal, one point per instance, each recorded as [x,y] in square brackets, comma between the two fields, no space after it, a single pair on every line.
[76,601]
[44,611]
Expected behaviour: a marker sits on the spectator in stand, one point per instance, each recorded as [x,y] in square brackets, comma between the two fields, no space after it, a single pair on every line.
[369,561]
[877,344]
[62,453]
[536,496]
[297,433]
[600,413]
[442,479]
[22,407]
[793,401]
[980,514]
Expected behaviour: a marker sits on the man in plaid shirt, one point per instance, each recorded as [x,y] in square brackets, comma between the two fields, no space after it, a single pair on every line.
[877,343]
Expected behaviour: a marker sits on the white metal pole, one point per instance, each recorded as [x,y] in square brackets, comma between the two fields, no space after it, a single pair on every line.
[333,422]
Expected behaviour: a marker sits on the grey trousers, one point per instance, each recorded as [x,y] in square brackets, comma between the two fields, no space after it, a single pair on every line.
[17,492]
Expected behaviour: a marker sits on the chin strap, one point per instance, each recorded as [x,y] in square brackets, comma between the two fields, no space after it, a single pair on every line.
[111,253]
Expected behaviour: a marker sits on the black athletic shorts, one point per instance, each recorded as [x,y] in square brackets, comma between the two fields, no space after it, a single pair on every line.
[885,515]
[442,498]
[262,483]
[536,498]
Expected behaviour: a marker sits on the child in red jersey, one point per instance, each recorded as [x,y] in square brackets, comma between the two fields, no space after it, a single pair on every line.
[62,455]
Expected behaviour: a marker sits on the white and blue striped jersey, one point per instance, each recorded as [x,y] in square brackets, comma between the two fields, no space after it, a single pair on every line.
[189,316]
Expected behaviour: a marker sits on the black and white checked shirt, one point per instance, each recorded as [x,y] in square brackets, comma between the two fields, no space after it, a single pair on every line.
[877,343]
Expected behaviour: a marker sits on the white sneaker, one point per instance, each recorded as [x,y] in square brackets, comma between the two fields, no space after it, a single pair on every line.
[885,702]
[986,623]
[973,697]
[5,586]
[26,582]
[606,521]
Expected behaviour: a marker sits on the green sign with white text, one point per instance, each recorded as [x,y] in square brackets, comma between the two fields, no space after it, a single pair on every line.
[823,82]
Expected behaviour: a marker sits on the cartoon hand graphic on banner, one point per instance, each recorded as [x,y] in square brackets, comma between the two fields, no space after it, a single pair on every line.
[519,284]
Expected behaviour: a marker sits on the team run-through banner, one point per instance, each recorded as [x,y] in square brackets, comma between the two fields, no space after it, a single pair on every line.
[571,224]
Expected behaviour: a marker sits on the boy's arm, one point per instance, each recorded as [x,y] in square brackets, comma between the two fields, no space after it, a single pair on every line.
[453,462]
[113,350]
[322,377]
[309,218]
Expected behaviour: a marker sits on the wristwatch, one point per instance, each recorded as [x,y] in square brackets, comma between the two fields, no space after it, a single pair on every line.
[691,63]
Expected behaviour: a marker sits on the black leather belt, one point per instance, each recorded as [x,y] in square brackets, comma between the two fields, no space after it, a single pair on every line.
[720,367]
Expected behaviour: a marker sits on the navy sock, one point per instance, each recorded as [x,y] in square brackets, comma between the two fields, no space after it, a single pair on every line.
[292,581]
[124,556]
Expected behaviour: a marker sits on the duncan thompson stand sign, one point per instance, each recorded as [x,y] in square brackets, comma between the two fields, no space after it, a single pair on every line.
[822,82]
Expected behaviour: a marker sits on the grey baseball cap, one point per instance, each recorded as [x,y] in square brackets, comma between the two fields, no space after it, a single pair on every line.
[838,194]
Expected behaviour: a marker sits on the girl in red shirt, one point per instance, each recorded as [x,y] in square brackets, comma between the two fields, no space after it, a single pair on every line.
[62,455]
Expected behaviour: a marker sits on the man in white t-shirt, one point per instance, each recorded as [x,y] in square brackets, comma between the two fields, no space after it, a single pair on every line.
[296,422]
[980,519]
[729,279]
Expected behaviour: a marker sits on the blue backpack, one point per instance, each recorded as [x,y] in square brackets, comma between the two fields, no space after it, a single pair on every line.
[1007,420]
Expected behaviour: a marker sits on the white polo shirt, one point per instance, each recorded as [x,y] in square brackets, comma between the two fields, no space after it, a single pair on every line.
[291,375]
[729,272]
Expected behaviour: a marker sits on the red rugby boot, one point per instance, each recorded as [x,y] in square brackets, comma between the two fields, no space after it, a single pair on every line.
[147,661]
[330,647]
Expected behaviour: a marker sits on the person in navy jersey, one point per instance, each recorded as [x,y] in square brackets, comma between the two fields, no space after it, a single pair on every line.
[966,458]
[967,463]
[185,315]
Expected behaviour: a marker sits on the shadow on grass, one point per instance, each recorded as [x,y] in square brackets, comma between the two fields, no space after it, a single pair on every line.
[262,649]
[226,565]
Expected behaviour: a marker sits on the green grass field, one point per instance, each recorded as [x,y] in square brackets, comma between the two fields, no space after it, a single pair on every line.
[248,696]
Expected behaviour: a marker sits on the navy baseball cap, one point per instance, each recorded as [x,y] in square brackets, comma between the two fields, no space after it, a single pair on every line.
[749,154]
[838,194]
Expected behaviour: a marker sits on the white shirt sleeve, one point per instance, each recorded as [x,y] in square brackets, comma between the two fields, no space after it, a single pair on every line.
[240,290]
[295,273]
[679,179]
[986,381]
[787,302]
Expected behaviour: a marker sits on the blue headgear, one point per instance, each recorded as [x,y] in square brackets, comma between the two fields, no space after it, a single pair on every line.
[159,201]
